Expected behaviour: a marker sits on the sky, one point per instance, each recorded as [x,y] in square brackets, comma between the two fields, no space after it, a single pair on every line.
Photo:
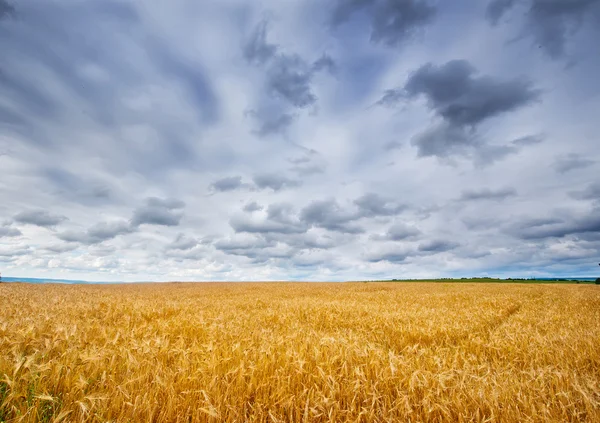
[299,140]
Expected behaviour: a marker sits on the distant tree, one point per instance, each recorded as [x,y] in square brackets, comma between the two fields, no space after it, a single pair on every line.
[598,281]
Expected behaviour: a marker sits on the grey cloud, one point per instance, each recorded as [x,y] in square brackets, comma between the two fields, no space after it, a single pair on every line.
[459,96]
[309,163]
[497,8]
[389,256]
[274,181]
[78,189]
[463,100]
[229,183]
[548,22]
[392,21]
[328,214]
[400,232]
[571,162]
[61,248]
[488,194]
[325,62]
[192,77]
[257,50]
[9,232]
[528,140]
[392,145]
[475,223]
[245,224]
[41,218]
[289,78]
[98,233]
[437,246]
[14,252]
[275,124]
[280,219]
[374,205]
[258,249]
[242,244]
[252,207]
[591,192]
[532,229]
[183,242]
[487,154]
[445,140]
[156,211]
[6,9]
[304,241]
[168,203]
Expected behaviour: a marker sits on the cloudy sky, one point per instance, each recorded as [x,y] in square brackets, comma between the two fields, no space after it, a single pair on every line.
[309,139]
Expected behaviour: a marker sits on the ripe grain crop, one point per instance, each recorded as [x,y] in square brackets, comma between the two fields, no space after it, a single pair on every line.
[275,352]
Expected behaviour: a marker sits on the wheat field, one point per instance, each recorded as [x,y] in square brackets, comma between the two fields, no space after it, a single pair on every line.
[279,352]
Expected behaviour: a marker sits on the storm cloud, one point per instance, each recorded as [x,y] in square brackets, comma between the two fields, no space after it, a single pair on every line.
[462,99]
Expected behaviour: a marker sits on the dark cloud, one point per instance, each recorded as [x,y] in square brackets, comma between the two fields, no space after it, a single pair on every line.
[14,252]
[571,162]
[6,9]
[157,211]
[183,242]
[437,246]
[399,232]
[9,232]
[549,22]
[289,76]
[325,62]
[98,233]
[257,50]
[274,181]
[61,248]
[392,21]
[528,140]
[374,205]
[328,214]
[497,8]
[456,93]
[390,256]
[82,190]
[533,229]
[41,218]
[243,224]
[462,100]
[488,194]
[252,207]
[445,140]
[275,124]
[242,246]
[591,192]
[229,183]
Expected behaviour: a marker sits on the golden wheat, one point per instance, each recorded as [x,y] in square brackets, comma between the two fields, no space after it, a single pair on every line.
[300,352]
